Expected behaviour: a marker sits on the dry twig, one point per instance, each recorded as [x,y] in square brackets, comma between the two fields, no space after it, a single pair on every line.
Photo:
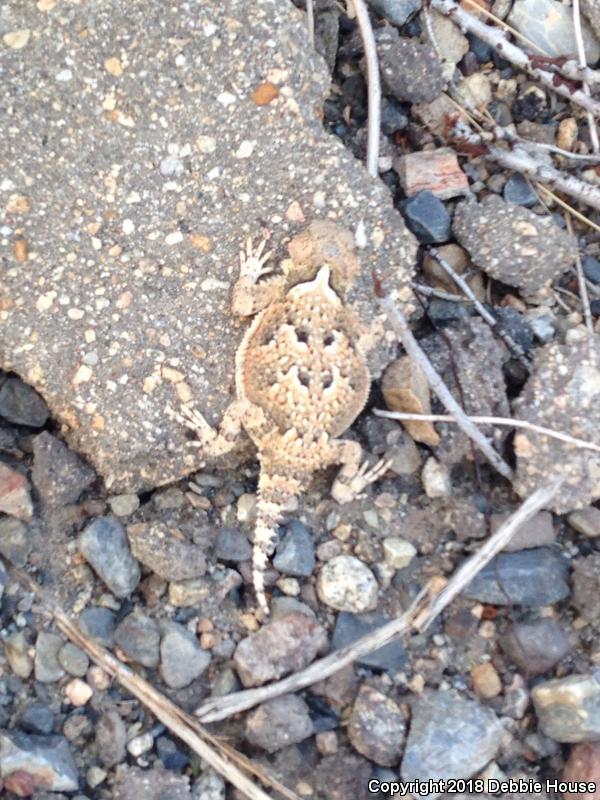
[426,607]
[583,295]
[310,22]
[497,39]
[552,196]
[481,309]
[508,422]
[400,325]
[583,65]
[373,86]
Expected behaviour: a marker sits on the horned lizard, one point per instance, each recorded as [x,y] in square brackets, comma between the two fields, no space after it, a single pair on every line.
[301,378]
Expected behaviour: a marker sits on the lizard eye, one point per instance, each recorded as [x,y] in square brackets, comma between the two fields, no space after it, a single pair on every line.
[328,340]
[302,336]
[327,380]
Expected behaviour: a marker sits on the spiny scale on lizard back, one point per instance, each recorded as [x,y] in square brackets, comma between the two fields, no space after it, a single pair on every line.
[302,364]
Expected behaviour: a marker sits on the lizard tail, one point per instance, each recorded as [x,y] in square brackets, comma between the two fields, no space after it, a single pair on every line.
[274,491]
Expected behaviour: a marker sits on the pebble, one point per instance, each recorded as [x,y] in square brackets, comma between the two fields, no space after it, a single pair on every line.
[22,405]
[377,727]
[586,587]
[395,11]
[18,39]
[232,545]
[47,759]
[111,738]
[397,552]
[410,71]
[296,552]
[427,217]
[58,474]
[538,532]
[172,559]
[481,50]
[586,521]
[583,764]
[393,117]
[246,507]
[14,494]
[46,664]
[138,636]
[78,692]
[591,268]
[536,646]
[536,577]
[140,744]
[133,783]
[172,167]
[486,681]
[182,660]
[99,623]
[511,243]
[449,737]
[436,479]
[124,505]
[350,627]
[279,723]
[517,190]
[104,545]
[36,718]
[73,660]
[436,171]
[285,645]
[209,786]
[549,24]
[568,709]
[16,651]
[95,776]
[15,544]
[346,584]
[172,758]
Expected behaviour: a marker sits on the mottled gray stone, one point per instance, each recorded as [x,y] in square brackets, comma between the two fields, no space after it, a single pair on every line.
[536,577]
[47,759]
[182,660]
[126,288]
[296,553]
[58,474]
[568,709]
[549,24]
[410,70]
[511,243]
[21,404]
[586,587]
[350,627]
[377,727]
[563,394]
[104,545]
[231,544]
[133,783]
[73,660]
[15,543]
[156,548]
[449,737]
[279,723]
[535,647]
[99,623]
[111,738]
[395,11]
[139,637]
[47,665]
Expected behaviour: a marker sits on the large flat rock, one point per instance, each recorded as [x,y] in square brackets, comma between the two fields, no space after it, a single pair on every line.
[136,157]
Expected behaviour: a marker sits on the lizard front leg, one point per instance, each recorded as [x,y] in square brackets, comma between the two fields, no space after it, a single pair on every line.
[249,296]
[355,474]
[213,441]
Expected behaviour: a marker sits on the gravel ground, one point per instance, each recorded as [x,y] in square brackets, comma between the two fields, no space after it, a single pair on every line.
[102,295]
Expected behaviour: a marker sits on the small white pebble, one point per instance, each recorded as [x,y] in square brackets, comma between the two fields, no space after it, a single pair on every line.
[174,238]
[127,227]
[245,149]
[226,98]
[64,75]
[436,479]
[140,744]
[398,553]
[78,692]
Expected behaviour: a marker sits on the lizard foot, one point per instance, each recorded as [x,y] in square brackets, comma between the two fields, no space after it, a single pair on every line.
[193,419]
[253,260]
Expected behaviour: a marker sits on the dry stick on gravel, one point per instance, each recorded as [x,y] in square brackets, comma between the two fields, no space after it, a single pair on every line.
[508,422]
[218,755]
[427,606]
[401,327]
[581,217]
[373,86]
[310,22]
[583,65]
[481,309]
[585,300]
[520,159]
[497,39]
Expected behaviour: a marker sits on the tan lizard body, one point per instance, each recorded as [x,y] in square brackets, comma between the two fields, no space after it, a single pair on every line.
[301,379]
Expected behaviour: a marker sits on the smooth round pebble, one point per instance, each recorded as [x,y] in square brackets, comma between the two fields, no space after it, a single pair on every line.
[123,505]
[346,584]
[73,660]
[140,744]
[78,692]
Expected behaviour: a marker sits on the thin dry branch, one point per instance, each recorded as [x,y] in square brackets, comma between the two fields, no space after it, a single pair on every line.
[521,159]
[373,86]
[310,22]
[426,607]
[508,422]
[481,309]
[401,327]
[583,294]
[497,39]
[583,65]
[581,217]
